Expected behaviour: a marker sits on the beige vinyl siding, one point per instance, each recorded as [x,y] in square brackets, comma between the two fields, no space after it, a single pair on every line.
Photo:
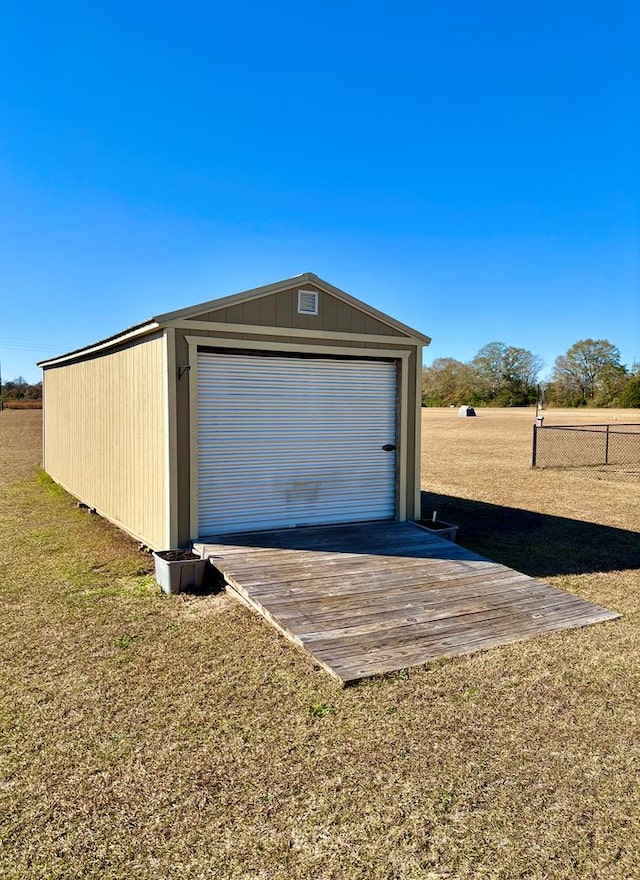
[105,435]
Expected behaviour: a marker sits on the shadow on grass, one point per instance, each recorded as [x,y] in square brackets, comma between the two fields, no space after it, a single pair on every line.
[213,582]
[537,544]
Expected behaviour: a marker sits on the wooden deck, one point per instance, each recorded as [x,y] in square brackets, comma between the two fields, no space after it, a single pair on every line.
[376,597]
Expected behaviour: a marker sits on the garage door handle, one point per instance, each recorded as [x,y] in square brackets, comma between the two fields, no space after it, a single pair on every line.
[389,447]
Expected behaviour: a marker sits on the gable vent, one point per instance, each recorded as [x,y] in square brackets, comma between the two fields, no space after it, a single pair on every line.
[307,302]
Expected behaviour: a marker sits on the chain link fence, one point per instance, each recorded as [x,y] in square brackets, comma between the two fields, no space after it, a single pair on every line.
[586,445]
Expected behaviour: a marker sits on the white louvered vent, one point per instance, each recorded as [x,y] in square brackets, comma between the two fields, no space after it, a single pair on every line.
[307,302]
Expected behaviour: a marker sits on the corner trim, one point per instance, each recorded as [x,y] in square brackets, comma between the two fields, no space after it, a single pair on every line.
[171,441]
[418,438]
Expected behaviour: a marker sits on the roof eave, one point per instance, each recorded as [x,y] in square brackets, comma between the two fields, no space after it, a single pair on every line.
[233,299]
[369,310]
[104,344]
[158,322]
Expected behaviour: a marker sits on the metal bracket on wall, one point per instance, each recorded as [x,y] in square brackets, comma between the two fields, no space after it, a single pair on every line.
[183,370]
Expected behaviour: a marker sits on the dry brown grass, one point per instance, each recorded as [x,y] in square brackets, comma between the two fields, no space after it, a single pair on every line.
[146,736]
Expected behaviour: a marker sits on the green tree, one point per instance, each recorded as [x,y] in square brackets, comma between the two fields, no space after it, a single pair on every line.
[506,375]
[446,382]
[19,389]
[612,381]
[15,389]
[630,397]
[586,368]
[487,368]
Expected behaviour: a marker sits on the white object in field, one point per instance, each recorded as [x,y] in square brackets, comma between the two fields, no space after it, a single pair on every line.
[465,411]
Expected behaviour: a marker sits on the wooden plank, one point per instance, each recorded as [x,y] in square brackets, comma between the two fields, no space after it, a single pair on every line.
[406,604]
[362,538]
[462,616]
[443,635]
[264,578]
[258,559]
[369,598]
[463,630]
[261,575]
[403,595]
[317,569]
[414,549]
[351,669]
[297,560]
[368,588]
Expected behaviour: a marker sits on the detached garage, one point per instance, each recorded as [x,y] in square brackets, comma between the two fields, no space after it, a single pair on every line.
[288,405]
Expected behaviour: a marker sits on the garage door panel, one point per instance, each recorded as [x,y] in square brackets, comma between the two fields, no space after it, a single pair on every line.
[292,441]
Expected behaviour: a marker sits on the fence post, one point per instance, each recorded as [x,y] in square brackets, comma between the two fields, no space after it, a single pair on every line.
[606,446]
[535,445]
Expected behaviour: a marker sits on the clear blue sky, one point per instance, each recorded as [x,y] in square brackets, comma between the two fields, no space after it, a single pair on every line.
[470,168]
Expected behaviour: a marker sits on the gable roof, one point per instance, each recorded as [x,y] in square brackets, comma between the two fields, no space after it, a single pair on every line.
[286,284]
[159,321]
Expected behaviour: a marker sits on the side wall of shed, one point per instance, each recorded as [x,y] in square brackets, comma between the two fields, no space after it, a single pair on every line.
[105,435]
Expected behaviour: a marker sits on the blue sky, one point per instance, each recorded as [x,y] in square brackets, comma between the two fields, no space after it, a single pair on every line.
[469,168]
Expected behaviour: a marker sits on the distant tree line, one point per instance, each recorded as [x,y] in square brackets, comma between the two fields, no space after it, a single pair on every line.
[588,374]
[20,389]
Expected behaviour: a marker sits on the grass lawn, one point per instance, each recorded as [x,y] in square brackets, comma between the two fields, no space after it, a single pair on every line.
[145,736]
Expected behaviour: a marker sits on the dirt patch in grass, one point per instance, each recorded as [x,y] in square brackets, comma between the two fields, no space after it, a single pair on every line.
[147,736]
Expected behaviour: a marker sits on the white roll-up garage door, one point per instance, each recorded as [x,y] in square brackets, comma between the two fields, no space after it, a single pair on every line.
[290,441]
